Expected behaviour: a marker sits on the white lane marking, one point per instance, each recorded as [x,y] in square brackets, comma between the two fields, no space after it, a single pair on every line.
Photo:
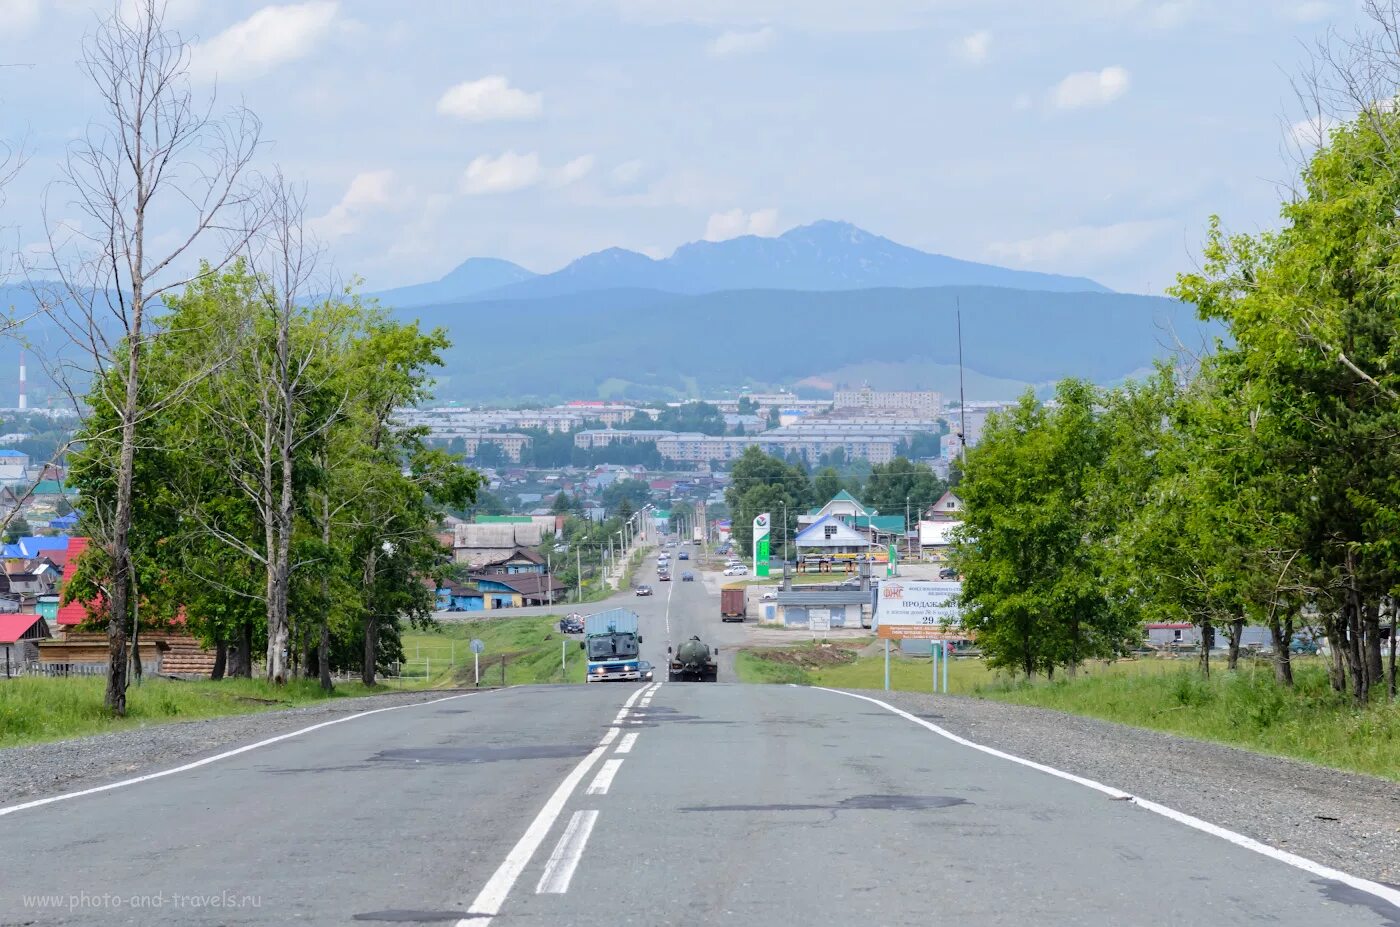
[1383,892]
[603,781]
[631,699]
[609,737]
[493,894]
[621,716]
[669,592]
[628,740]
[559,871]
[218,756]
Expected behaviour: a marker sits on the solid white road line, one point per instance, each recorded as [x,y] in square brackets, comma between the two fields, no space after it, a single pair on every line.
[219,756]
[632,699]
[609,737]
[628,740]
[621,717]
[1376,889]
[603,781]
[567,852]
[492,895]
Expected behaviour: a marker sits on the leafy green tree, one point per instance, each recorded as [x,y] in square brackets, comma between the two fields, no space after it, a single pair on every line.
[826,483]
[758,483]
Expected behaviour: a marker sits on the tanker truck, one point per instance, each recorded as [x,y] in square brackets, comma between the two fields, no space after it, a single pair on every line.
[693,662]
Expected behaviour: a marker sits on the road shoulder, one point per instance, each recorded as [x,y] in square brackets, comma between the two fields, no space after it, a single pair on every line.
[1344,820]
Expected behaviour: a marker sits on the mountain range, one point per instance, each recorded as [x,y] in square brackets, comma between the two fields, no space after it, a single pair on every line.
[819,307]
[822,257]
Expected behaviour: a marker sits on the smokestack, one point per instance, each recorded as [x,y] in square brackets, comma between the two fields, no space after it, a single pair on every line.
[23,400]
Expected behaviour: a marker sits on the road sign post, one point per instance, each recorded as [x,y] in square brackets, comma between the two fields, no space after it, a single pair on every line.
[947,652]
[887,664]
[477,646]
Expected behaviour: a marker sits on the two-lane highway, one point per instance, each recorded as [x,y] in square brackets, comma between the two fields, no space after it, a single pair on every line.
[648,804]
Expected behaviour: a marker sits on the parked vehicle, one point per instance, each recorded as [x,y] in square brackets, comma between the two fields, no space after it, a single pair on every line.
[947,573]
[733,603]
[737,571]
[643,589]
[455,608]
[769,597]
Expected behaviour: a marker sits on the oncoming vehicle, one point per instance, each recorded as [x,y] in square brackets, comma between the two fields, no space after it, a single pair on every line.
[643,589]
[612,640]
[683,555]
[687,577]
[663,577]
[571,624]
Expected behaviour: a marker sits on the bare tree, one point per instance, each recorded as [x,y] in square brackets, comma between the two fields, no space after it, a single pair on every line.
[155,159]
[260,406]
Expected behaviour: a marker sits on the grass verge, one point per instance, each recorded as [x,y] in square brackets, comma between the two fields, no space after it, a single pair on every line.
[531,646]
[38,708]
[1242,709]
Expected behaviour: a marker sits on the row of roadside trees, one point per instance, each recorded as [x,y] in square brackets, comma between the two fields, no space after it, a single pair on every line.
[238,460]
[1255,487]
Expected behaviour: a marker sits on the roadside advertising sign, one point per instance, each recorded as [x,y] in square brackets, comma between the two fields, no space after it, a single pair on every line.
[918,609]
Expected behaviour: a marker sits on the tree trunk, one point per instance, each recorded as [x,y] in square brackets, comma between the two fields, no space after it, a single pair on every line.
[1281,634]
[323,658]
[1207,641]
[1355,666]
[220,659]
[1336,655]
[371,622]
[1236,633]
[1371,645]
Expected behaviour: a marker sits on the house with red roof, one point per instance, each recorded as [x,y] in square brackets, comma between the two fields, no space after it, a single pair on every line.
[168,651]
[19,641]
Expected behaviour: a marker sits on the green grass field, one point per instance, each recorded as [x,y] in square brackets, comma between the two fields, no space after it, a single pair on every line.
[37,708]
[1243,709]
[531,645]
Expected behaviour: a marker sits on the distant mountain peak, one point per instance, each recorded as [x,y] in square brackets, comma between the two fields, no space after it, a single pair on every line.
[826,255]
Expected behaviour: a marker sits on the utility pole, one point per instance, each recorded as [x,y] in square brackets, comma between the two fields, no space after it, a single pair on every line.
[962,394]
[578,559]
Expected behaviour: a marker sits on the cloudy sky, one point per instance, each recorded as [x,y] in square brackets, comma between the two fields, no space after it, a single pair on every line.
[1080,136]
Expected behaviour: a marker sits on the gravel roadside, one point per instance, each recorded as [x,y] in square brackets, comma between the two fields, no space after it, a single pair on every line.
[64,765]
[1344,820]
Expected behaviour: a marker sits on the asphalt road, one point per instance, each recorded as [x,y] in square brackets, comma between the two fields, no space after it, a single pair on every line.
[656,804]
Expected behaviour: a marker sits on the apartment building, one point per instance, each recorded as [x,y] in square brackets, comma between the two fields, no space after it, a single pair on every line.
[922,402]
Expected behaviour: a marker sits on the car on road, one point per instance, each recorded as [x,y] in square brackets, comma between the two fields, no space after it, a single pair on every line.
[663,577]
[850,584]
[645,669]
[683,555]
[737,571]
[571,624]
[643,589]
[455,608]
[769,597]
[687,577]
[947,573]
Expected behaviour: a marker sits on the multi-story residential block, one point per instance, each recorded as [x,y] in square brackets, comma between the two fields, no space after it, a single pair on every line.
[922,402]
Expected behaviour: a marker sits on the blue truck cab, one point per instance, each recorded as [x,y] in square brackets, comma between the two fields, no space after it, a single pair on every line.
[612,641]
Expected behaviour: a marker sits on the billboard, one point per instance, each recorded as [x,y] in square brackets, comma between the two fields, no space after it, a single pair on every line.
[922,609]
[761,556]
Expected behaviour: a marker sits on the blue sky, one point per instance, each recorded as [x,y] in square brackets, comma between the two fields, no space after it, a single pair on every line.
[1078,136]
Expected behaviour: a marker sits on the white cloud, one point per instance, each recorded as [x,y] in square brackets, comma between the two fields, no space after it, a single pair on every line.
[1023,101]
[1312,11]
[491,98]
[1172,14]
[368,191]
[1090,88]
[974,48]
[1312,132]
[574,171]
[736,222]
[272,36]
[742,43]
[503,174]
[1079,244]
[18,16]
[628,172]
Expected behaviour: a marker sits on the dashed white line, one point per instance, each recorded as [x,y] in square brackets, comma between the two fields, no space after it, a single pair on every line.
[489,900]
[1376,889]
[559,871]
[603,781]
[632,699]
[625,746]
[621,717]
